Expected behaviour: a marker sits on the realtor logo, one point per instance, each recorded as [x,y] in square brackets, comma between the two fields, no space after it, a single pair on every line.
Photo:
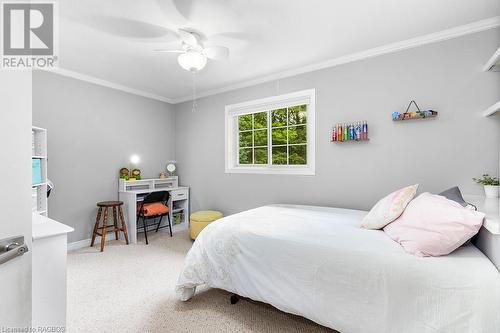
[28,36]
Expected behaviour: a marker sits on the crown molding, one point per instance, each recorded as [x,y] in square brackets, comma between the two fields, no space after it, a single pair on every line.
[443,35]
[108,84]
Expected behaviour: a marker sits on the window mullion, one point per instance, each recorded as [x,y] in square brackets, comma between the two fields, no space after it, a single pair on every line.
[287,147]
[269,138]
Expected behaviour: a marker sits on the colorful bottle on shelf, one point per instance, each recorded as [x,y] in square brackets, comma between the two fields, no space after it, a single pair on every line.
[334,133]
[365,130]
[339,132]
[346,133]
[357,131]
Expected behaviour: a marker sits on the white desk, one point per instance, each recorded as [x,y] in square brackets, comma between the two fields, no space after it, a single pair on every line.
[178,202]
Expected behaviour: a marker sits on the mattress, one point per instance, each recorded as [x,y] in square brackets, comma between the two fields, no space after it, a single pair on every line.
[316,262]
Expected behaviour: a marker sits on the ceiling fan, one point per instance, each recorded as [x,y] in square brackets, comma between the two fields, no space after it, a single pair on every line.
[194,56]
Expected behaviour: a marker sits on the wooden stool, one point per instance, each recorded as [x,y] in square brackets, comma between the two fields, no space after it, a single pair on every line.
[116,205]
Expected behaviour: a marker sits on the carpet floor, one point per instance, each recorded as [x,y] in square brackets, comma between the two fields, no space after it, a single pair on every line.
[131,289]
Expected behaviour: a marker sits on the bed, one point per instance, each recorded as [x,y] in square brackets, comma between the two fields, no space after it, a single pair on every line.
[317,263]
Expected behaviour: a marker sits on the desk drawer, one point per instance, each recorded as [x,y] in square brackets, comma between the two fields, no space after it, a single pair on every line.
[179,194]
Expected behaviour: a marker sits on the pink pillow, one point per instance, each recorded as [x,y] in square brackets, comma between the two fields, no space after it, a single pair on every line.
[432,225]
[389,208]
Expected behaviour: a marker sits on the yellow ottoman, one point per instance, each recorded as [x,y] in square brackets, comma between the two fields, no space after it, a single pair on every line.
[201,219]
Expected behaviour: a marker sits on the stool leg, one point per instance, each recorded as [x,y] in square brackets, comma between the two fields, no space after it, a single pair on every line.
[103,232]
[96,225]
[124,226]
[115,223]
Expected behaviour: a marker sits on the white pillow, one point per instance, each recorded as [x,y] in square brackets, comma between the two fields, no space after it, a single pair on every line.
[389,208]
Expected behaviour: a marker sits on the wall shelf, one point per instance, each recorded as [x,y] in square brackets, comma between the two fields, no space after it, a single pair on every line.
[492,109]
[494,63]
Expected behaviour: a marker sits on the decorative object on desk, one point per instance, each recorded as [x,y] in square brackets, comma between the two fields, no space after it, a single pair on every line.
[124,173]
[490,185]
[162,175]
[171,169]
[135,174]
[357,131]
[419,114]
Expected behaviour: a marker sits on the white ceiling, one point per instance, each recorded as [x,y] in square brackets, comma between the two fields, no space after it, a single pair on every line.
[113,40]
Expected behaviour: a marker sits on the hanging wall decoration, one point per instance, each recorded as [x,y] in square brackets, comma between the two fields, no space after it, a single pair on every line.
[357,131]
[419,114]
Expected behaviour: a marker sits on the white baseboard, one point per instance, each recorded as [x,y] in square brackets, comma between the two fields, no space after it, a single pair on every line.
[86,242]
[79,244]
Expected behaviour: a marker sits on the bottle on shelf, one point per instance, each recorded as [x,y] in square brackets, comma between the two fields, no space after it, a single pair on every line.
[334,133]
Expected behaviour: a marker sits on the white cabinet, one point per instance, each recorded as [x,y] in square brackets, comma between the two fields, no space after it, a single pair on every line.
[49,272]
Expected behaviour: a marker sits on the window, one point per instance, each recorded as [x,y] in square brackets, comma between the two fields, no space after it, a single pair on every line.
[272,135]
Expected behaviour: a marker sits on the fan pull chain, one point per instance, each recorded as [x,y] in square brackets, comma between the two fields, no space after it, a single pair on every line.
[195,105]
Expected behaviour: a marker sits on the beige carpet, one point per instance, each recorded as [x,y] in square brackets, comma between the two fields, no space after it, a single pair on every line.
[131,289]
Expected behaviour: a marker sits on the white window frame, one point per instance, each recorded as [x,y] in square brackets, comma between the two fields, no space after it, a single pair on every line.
[307,97]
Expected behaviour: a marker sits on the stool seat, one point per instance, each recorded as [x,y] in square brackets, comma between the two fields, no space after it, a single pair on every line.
[199,220]
[109,203]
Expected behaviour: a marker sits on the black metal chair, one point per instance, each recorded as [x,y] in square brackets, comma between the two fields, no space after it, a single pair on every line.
[154,197]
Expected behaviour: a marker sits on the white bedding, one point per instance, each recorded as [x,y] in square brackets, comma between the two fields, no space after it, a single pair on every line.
[316,262]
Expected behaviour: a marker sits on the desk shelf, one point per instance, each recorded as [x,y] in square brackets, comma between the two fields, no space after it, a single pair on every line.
[148,185]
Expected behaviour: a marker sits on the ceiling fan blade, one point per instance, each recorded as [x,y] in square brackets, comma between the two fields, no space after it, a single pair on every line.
[216,52]
[168,51]
[184,7]
[173,13]
[124,27]
[243,36]
[189,37]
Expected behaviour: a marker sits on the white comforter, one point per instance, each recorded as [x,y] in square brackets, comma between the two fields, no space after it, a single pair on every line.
[316,262]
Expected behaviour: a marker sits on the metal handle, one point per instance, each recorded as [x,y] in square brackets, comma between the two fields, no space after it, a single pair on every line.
[11,248]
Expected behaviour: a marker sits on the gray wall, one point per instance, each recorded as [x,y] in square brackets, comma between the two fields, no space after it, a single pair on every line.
[92,131]
[437,153]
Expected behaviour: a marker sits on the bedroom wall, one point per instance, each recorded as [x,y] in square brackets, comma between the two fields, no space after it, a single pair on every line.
[92,132]
[437,154]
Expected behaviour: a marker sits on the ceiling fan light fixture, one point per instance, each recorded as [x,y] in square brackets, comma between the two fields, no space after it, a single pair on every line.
[192,61]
